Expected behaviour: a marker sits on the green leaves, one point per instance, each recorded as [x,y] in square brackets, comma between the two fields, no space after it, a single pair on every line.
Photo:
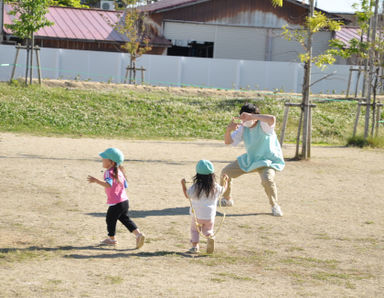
[67,3]
[315,24]
[29,17]
[277,3]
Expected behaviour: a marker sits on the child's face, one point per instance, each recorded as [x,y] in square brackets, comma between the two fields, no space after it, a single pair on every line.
[107,163]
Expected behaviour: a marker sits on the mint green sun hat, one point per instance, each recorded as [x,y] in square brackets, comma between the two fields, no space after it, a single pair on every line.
[113,154]
[204,167]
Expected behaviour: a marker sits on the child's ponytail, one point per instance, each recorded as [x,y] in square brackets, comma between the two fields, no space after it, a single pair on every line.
[116,173]
[116,169]
[122,169]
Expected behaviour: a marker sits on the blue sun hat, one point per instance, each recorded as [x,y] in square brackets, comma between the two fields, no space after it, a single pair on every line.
[204,167]
[113,154]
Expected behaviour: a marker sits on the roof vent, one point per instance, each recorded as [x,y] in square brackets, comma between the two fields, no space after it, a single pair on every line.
[107,5]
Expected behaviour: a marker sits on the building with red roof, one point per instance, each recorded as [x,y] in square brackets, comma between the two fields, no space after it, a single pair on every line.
[84,29]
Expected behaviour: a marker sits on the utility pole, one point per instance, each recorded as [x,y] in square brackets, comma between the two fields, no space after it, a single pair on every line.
[306,90]
[372,59]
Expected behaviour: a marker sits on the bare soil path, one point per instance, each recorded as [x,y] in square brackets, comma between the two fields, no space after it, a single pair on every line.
[330,242]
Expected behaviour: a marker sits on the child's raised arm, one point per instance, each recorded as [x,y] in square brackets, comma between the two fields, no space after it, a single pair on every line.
[183,185]
[92,179]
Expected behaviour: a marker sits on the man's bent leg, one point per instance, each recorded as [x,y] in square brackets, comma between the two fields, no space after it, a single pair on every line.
[233,171]
[267,176]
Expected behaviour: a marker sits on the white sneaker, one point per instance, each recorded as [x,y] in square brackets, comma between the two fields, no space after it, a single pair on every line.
[194,250]
[226,203]
[276,211]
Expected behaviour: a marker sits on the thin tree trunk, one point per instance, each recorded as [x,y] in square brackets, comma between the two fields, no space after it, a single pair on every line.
[130,71]
[32,50]
[27,63]
[371,64]
[134,70]
[306,86]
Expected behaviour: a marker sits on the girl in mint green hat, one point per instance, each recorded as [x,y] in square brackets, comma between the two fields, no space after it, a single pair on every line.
[115,183]
[204,194]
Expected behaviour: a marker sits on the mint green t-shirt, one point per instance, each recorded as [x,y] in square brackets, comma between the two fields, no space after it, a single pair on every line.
[263,150]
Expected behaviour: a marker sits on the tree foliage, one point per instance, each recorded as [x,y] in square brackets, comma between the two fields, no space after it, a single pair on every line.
[277,2]
[360,48]
[29,17]
[315,24]
[67,3]
[132,26]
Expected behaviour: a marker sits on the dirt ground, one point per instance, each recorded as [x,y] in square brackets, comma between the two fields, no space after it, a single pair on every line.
[330,242]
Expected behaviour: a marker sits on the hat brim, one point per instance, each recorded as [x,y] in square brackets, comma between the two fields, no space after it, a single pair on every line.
[103,155]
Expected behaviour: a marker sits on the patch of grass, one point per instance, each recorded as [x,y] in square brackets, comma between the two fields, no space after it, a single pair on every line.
[311,262]
[327,276]
[55,281]
[153,113]
[245,258]
[244,226]
[114,280]
[293,248]
[360,141]
[235,276]
[372,241]
[216,279]
[323,236]
[368,222]
[21,255]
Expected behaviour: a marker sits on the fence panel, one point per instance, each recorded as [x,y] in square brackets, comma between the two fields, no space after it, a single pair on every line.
[177,71]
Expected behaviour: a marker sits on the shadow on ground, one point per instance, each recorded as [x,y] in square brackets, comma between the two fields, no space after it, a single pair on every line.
[171,212]
[107,252]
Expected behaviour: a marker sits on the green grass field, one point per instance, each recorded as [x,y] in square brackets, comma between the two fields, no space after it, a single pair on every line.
[156,113]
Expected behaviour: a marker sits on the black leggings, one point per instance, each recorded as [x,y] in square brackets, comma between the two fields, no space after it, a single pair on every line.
[119,212]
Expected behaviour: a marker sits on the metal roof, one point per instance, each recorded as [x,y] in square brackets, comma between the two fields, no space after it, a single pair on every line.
[169,4]
[80,24]
[173,4]
[348,33]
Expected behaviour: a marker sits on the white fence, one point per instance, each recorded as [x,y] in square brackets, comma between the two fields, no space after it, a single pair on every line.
[177,71]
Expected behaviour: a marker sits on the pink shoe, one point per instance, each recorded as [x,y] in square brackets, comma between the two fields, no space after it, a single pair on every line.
[108,241]
[140,240]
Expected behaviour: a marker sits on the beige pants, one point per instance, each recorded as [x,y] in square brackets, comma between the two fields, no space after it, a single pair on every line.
[267,176]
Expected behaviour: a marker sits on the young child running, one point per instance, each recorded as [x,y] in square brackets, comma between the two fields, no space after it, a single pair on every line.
[115,183]
[204,194]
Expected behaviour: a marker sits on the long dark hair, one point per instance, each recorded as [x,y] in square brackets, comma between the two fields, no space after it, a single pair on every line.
[204,183]
[116,169]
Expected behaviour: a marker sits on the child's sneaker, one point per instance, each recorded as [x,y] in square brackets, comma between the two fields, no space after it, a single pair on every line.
[194,250]
[226,203]
[210,245]
[276,211]
[140,240]
[108,241]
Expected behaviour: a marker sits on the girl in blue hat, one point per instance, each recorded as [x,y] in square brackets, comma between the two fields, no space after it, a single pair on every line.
[204,194]
[115,183]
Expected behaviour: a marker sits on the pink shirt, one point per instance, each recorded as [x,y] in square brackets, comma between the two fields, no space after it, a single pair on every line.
[116,193]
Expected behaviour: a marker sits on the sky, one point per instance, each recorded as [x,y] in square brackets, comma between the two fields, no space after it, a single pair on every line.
[336,5]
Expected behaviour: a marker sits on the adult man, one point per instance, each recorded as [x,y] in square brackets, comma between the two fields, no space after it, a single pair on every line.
[263,154]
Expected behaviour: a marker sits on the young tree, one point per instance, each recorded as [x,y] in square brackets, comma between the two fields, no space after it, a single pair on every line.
[132,25]
[29,18]
[368,51]
[315,22]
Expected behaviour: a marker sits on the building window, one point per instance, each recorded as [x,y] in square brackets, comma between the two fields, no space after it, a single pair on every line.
[191,49]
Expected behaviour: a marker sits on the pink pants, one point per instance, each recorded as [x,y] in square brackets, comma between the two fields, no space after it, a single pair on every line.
[206,228]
